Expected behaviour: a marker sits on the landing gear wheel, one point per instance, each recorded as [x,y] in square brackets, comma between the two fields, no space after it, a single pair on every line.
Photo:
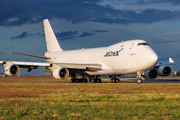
[85,80]
[72,80]
[95,80]
[114,80]
[77,80]
[81,80]
[111,81]
[139,81]
[117,80]
[99,80]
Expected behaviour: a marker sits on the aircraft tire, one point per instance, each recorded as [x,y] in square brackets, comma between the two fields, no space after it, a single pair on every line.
[77,80]
[99,80]
[114,80]
[111,81]
[95,80]
[139,81]
[85,80]
[117,80]
[72,80]
[81,80]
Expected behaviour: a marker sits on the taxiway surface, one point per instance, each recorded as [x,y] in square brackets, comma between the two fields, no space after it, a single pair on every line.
[157,80]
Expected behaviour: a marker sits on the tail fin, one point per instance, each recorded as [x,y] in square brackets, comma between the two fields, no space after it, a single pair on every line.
[51,40]
[171,60]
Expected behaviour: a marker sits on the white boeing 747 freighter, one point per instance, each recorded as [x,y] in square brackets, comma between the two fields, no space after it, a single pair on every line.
[128,57]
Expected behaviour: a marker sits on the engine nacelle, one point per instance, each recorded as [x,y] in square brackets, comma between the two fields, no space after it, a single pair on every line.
[60,73]
[150,74]
[164,70]
[12,70]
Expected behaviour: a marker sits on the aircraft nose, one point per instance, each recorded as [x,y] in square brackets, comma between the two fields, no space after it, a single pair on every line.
[152,58]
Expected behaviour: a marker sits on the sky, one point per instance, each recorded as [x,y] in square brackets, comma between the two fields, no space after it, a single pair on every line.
[88,24]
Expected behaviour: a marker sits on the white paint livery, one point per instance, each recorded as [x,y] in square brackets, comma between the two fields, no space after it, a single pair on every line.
[129,57]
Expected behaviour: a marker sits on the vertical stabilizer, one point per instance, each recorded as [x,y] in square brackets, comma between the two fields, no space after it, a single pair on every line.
[51,40]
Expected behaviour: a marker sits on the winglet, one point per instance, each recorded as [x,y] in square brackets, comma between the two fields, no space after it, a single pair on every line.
[171,60]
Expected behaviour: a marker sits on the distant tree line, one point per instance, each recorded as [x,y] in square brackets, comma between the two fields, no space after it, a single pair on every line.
[178,73]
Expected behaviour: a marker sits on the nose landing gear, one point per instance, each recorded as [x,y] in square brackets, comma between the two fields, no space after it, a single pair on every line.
[139,78]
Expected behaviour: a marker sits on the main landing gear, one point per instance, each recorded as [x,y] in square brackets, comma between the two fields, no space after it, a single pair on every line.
[96,79]
[79,80]
[114,80]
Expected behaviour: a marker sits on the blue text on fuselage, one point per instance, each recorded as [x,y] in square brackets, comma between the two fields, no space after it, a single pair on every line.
[111,53]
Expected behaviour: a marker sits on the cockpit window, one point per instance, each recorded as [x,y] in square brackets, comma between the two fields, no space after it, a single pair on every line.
[143,44]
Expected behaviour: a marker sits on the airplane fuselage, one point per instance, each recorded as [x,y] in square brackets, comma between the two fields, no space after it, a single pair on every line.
[122,58]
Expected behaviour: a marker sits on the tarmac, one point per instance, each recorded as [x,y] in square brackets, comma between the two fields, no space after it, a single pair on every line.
[157,80]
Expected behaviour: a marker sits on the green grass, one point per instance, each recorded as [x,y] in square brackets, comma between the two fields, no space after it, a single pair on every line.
[89,101]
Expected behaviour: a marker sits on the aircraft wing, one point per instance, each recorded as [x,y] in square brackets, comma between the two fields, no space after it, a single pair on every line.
[26,63]
[29,65]
[35,65]
[91,67]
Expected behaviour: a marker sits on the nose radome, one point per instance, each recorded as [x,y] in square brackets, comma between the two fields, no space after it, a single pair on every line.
[152,58]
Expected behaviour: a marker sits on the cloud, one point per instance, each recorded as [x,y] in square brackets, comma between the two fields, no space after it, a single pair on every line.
[173,38]
[15,13]
[101,31]
[173,2]
[146,16]
[8,47]
[66,35]
[22,35]
[85,34]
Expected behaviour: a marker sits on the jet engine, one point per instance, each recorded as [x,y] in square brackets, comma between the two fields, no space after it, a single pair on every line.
[151,74]
[12,70]
[60,73]
[164,70]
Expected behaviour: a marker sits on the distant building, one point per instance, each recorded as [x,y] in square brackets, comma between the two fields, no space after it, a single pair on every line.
[2,75]
[173,73]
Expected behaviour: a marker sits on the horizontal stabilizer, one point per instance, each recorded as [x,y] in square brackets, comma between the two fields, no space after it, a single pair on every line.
[31,55]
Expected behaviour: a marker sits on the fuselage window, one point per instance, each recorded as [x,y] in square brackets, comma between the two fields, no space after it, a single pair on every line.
[143,44]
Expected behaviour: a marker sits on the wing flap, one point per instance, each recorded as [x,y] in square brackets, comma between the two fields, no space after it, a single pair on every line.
[93,67]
